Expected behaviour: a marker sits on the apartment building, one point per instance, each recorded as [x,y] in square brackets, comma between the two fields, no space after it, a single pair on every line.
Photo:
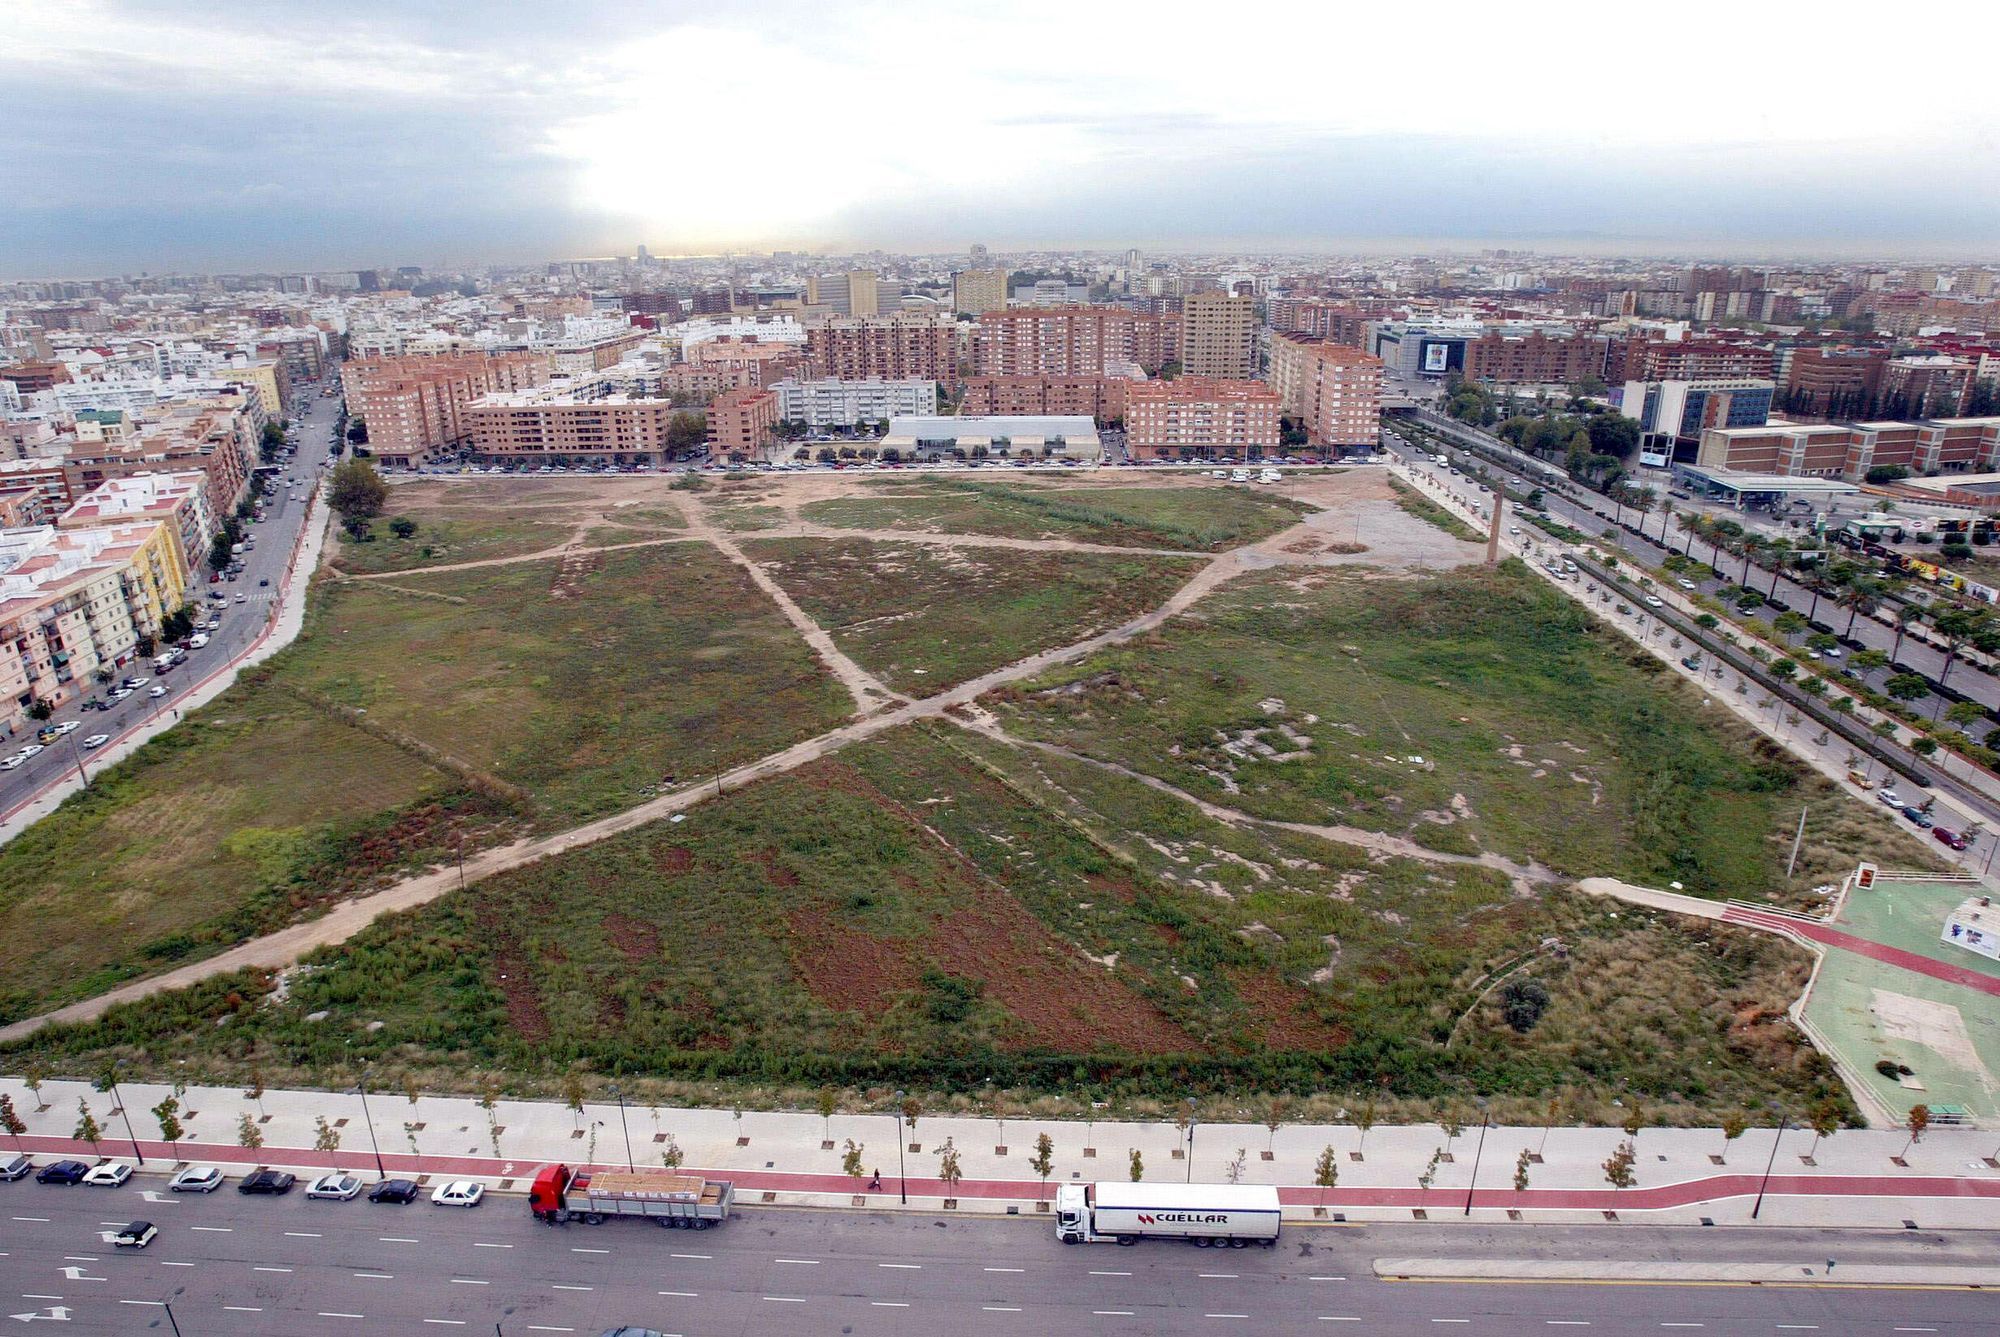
[72,602]
[1833,382]
[1336,322]
[1201,417]
[1218,335]
[835,403]
[1927,384]
[584,355]
[1691,360]
[217,439]
[1073,341]
[854,293]
[902,347]
[414,406]
[974,292]
[1334,391]
[177,500]
[1535,357]
[1100,397]
[544,427]
[741,423]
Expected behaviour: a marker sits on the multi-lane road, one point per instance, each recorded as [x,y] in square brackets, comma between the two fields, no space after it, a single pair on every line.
[277,536]
[235,1265]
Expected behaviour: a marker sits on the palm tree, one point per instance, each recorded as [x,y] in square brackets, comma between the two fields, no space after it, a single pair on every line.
[1778,547]
[1905,615]
[1750,546]
[1858,596]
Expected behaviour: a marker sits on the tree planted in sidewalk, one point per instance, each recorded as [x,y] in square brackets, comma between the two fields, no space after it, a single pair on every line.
[32,1076]
[1919,1120]
[1618,1169]
[1138,1166]
[1238,1166]
[949,1170]
[1553,1112]
[1429,1176]
[248,1134]
[670,1152]
[1733,1125]
[1521,1164]
[489,1101]
[1326,1172]
[10,1120]
[1364,1121]
[1274,1119]
[168,1114]
[256,1089]
[1635,1119]
[1824,1120]
[827,1102]
[850,1158]
[326,1138]
[572,1094]
[910,1109]
[411,1090]
[1043,1162]
[87,1128]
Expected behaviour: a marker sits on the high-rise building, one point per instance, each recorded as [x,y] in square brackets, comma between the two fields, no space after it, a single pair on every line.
[741,422]
[854,293]
[413,406]
[1201,417]
[1218,335]
[907,346]
[977,291]
[978,254]
[1333,390]
[1073,341]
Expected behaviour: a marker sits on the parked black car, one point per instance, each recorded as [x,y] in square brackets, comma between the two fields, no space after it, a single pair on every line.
[394,1190]
[267,1181]
[62,1172]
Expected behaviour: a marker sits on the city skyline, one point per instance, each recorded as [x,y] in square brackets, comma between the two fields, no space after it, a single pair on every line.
[160,139]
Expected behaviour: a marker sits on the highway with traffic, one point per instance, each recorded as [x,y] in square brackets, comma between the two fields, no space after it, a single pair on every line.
[256,1266]
[243,610]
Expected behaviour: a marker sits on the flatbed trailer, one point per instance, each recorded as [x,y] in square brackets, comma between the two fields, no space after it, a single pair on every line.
[667,1198]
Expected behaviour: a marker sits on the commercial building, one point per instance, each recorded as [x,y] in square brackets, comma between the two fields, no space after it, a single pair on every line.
[1842,382]
[1850,450]
[1219,336]
[1334,391]
[977,291]
[1073,341]
[414,406]
[1201,417]
[902,347]
[854,293]
[741,423]
[983,437]
[834,403]
[545,427]
[1674,414]
[1099,397]
[72,602]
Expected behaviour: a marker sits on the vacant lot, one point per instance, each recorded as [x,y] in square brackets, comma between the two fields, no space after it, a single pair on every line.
[924,618]
[1471,711]
[934,910]
[247,813]
[1417,504]
[590,681]
[449,536]
[1192,518]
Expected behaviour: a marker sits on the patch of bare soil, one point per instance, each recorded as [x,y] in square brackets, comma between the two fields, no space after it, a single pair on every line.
[844,968]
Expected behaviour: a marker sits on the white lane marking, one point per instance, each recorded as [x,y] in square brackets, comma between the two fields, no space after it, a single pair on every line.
[908,1267]
[1002,1269]
[1680,1325]
[889,1304]
[1216,1276]
[1326,1278]
[328,1313]
[270,1269]
[376,1276]
[1340,1318]
[576,1250]
[1451,1320]
[176,1264]
[215,1230]
[1913,1329]
[1567,1322]
[802,1262]
[303,1235]
[394,1239]
[1001,1309]
[785,1299]
[1225,1316]
[469,1281]
[1798,1327]
[43,1219]
[243,1309]
[703,1256]
[573,1288]
[685,1295]
[41,1297]
[1111,1274]
[481,1244]
[1112,1313]
[447,1322]
[154,1303]
[543,1327]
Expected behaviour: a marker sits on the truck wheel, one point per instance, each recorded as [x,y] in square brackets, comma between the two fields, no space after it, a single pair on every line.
[1201,1241]
[702,1223]
[1127,1241]
[1069,1239]
[1239,1244]
[593,1218]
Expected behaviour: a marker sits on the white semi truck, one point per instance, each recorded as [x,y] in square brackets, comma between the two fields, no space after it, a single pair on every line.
[1208,1215]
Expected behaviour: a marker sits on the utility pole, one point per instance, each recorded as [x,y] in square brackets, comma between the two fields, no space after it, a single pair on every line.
[1493,530]
[1797,840]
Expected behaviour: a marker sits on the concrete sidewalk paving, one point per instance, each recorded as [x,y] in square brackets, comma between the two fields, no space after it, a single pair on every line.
[1851,1179]
[1684,1273]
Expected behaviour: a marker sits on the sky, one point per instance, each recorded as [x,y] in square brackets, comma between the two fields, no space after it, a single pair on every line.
[235,136]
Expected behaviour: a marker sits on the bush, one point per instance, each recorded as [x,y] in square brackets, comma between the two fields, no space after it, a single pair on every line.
[1887,1067]
[1957,552]
[1522,1003]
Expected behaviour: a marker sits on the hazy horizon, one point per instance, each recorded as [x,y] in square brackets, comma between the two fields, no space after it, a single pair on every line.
[167,138]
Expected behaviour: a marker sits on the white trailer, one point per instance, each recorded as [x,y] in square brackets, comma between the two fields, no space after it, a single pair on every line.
[1208,1215]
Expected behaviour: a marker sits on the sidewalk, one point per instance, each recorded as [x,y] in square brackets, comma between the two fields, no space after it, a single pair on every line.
[793,1159]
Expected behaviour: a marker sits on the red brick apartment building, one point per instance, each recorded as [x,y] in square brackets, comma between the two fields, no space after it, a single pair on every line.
[1073,341]
[415,406]
[1195,417]
[1334,390]
[740,423]
[1102,397]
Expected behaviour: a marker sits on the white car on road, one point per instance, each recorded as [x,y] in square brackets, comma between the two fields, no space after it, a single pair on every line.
[337,1186]
[112,1174]
[458,1193]
[196,1179]
[95,741]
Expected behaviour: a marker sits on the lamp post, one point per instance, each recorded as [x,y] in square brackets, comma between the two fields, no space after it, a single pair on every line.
[168,1305]
[619,1096]
[1190,1146]
[1765,1182]
[505,1313]
[119,1096]
[1485,1118]
[361,1088]
[902,1174]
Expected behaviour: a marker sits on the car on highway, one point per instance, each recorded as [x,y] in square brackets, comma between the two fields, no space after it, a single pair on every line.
[394,1190]
[137,1235]
[1685,583]
[1654,601]
[157,691]
[62,1172]
[32,749]
[1944,835]
[111,1174]
[336,1186]
[242,598]
[1890,797]
[10,763]
[196,1179]
[268,1182]
[95,741]
[67,727]
[458,1193]
[1921,818]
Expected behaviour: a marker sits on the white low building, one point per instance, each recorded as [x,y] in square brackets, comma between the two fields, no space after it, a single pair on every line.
[998,436]
[1976,927]
[836,403]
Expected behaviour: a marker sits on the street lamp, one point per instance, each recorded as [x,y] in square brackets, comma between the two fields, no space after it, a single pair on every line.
[119,1096]
[168,1305]
[619,1096]
[361,1088]
[1484,1119]
[902,1174]
[1765,1182]
[1190,1147]
[505,1313]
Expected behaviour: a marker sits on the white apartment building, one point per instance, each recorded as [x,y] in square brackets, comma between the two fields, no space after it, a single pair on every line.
[701,329]
[834,403]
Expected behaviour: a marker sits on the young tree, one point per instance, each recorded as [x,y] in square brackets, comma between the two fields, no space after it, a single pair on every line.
[1326,1172]
[1618,1169]
[410,1132]
[87,1127]
[572,1094]
[1824,1119]
[1429,1175]
[489,1101]
[1919,1120]
[248,1134]
[1521,1164]
[168,1114]
[850,1159]
[828,1101]
[670,1153]
[326,1138]
[33,1074]
[910,1109]
[1236,1168]
[1733,1125]
[1635,1119]
[1364,1121]
[1043,1162]
[412,1092]
[949,1171]
[256,1090]
[10,1120]
[1138,1166]
[1274,1119]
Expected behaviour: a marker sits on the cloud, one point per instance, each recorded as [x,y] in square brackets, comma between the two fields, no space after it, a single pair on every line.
[306,135]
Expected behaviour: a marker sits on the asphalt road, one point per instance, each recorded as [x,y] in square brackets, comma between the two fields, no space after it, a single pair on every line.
[277,535]
[235,1265]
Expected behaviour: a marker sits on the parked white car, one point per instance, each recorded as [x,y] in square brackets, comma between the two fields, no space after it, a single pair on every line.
[337,1186]
[112,1174]
[458,1193]
[196,1179]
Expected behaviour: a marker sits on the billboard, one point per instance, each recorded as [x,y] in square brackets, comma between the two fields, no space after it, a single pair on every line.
[1436,357]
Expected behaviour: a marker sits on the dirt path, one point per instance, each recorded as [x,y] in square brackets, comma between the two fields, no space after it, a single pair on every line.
[570,547]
